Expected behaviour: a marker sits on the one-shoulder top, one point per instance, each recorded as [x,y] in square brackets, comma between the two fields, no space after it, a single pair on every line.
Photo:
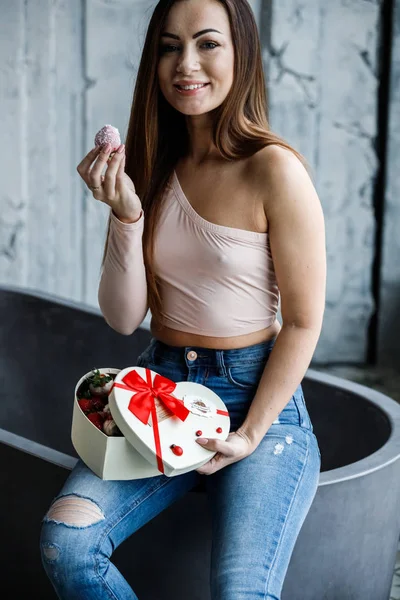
[214,280]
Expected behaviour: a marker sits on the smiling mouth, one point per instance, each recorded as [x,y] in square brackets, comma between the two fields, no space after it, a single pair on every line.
[190,88]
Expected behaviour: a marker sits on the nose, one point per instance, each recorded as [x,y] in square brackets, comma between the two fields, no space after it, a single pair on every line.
[188,61]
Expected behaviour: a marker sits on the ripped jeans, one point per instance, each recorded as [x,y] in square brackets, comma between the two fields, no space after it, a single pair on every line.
[251,547]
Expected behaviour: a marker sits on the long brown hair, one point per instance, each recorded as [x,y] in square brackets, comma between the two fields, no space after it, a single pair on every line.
[157,134]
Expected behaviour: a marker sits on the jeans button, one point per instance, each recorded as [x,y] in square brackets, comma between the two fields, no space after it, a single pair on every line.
[192,355]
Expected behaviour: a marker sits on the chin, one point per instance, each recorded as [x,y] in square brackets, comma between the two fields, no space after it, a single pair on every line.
[191,113]
[195,112]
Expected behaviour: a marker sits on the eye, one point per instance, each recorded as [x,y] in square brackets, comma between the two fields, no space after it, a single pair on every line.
[169,48]
[213,44]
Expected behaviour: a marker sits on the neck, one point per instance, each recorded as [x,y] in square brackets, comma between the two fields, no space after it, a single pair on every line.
[201,145]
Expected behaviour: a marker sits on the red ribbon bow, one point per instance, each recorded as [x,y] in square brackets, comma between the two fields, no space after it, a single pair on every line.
[142,403]
[145,393]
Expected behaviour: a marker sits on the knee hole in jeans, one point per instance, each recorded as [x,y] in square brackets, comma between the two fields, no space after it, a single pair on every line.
[74,511]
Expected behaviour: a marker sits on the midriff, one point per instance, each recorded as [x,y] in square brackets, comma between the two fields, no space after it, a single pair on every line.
[173,337]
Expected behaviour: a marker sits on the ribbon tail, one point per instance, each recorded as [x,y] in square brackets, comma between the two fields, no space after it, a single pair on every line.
[174,405]
[156,432]
[140,405]
[157,442]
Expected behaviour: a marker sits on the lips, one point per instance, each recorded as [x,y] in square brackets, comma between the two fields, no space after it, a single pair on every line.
[194,82]
[181,86]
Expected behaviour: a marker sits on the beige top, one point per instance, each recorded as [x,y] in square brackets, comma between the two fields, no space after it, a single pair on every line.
[214,280]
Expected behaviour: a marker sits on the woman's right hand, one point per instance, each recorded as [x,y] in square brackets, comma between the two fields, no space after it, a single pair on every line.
[115,187]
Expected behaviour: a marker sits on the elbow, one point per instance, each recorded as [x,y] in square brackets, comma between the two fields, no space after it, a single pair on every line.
[122,323]
[125,331]
[302,324]
[311,329]
[122,317]
[306,320]
[124,328]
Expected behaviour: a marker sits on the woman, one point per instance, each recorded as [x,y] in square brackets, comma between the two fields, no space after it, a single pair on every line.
[230,222]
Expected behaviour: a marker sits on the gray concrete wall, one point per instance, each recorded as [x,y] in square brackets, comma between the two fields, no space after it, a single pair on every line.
[321,63]
[41,99]
[69,67]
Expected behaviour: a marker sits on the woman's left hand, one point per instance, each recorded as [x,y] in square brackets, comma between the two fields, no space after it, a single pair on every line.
[234,448]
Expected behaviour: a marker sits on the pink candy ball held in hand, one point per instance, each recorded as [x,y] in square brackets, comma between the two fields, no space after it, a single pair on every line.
[108,135]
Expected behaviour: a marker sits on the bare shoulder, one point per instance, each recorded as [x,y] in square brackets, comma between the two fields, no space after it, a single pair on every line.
[275,165]
[279,174]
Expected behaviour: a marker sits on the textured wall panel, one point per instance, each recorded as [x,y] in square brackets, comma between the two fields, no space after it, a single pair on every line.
[321,67]
[13,190]
[67,275]
[41,231]
[389,314]
[114,37]
[40,90]
[69,67]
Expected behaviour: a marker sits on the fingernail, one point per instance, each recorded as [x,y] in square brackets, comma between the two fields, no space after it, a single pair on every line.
[202,441]
[121,148]
[107,148]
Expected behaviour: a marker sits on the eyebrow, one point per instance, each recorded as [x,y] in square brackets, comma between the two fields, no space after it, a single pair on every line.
[196,35]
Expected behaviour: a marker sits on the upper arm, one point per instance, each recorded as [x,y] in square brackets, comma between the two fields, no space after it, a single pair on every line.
[297,237]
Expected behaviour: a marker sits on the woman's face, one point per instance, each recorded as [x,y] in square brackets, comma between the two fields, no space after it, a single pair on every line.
[189,56]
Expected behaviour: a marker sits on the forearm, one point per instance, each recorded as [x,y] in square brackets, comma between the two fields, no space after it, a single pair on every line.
[122,293]
[285,369]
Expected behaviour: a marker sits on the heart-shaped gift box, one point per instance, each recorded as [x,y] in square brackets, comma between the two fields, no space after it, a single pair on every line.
[138,397]
[162,419]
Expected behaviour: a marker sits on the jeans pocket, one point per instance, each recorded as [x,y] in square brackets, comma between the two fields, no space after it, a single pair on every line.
[146,357]
[299,400]
[247,376]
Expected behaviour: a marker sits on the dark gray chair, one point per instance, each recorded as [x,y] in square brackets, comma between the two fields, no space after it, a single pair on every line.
[346,549]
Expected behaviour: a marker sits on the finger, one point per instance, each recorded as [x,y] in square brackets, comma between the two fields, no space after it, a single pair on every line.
[110,174]
[205,471]
[97,169]
[84,166]
[213,465]
[216,446]
[119,178]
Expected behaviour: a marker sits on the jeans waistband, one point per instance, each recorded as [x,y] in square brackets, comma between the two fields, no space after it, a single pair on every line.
[209,357]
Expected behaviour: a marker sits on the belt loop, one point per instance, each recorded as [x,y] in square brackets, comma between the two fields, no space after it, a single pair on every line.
[186,349]
[221,362]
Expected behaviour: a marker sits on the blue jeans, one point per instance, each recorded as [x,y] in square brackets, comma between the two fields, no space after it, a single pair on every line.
[268,493]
